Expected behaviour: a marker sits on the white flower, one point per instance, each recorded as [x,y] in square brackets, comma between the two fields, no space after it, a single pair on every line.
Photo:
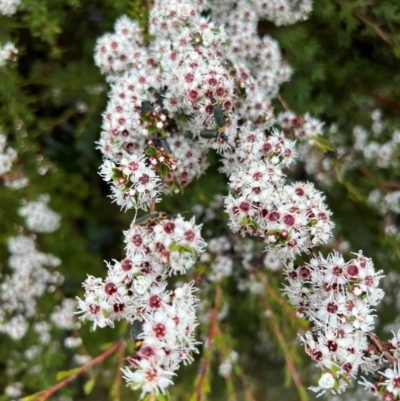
[327,381]
[150,377]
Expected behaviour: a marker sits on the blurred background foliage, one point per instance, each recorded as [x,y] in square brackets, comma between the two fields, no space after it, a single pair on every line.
[346,60]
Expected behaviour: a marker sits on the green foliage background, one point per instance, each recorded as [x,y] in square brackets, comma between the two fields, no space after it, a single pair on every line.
[346,62]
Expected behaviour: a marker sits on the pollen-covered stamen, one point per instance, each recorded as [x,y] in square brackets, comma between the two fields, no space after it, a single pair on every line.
[323,217]
[193,95]
[118,307]
[144,179]
[244,207]
[159,330]
[227,105]
[133,166]
[160,247]
[332,345]
[145,267]
[257,176]
[137,240]
[369,281]
[274,216]
[155,302]
[213,81]
[362,262]
[287,153]
[337,271]
[289,220]
[317,355]
[126,265]
[110,289]
[220,91]
[267,147]
[352,270]
[146,352]
[189,77]
[94,309]
[347,368]
[304,272]
[151,374]
[332,307]
[169,227]
[189,235]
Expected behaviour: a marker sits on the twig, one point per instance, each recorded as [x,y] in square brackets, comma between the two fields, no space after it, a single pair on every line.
[47,393]
[381,33]
[118,373]
[283,103]
[282,342]
[211,332]
[378,343]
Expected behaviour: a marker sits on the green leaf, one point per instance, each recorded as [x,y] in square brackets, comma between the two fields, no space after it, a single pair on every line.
[151,151]
[163,170]
[33,397]
[88,387]
[67,373]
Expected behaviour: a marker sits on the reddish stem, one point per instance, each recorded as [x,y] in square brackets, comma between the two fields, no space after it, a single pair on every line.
[47,393]
[211,333]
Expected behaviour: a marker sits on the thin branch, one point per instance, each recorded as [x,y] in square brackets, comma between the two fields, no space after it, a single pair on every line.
[286,351]
[211,333]
[118,373]
[380,32]
[47,393]
[378,343]
[283,103]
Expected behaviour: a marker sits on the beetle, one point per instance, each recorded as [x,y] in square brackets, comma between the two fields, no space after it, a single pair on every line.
[163,143]
[146,108]
[218,134]
[219,115]
[136,330]
[151,218]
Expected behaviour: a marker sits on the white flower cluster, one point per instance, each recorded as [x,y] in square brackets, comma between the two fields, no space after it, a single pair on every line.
[8,52]
[291,218]
[134,185]
[284,12]
[118,52]
[388,203]
[185,77]
[336,297]
[14,390]
[39,217]
[7,154]
[63,315]
[27,282]
[302,128]
[15,180]
[163,321]
[9,7]
[259,69]
[374,147]
[191,163]
[221,263]
[225,368]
